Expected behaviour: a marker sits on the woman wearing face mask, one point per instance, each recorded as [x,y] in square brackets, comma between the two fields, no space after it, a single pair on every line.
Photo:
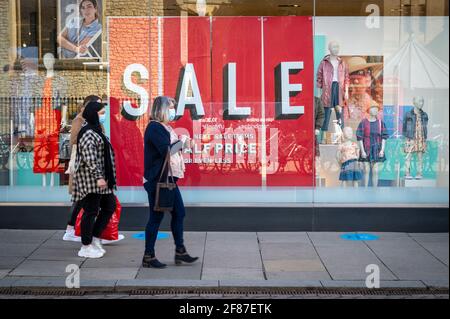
[159,137]
[94,180]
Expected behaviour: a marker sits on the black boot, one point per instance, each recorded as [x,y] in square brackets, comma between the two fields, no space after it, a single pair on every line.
[150,261]
[181,256]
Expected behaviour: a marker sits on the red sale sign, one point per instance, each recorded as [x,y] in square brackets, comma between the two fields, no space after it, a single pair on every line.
[244,87]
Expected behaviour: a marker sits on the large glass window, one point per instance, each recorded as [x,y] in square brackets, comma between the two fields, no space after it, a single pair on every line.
[250,78]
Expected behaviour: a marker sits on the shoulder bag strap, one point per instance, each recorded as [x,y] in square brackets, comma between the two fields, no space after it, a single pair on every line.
[166,163]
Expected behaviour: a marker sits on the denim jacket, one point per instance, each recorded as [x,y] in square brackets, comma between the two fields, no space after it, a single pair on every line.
[409,124]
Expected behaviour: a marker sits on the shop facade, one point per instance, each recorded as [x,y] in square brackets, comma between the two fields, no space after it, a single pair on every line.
[247,76]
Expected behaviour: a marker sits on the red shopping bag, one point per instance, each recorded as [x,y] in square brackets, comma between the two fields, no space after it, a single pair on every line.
[111,231]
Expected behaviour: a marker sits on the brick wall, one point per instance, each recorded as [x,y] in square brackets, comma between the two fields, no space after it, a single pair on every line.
[79,82]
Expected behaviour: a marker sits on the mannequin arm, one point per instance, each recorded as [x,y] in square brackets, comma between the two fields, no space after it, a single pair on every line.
[361,147]
[383,145]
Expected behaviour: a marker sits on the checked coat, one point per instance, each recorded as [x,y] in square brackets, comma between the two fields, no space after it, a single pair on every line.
[90,166]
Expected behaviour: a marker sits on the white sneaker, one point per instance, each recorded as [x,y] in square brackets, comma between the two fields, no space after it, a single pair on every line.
[107,242]
[69,235]
[97,243]
[89,252]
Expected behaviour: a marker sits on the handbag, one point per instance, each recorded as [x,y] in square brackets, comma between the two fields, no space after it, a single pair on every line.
[64,146]
[165,191]
[73,157]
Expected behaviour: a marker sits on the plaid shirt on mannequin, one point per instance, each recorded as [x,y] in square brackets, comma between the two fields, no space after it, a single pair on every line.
[90,166]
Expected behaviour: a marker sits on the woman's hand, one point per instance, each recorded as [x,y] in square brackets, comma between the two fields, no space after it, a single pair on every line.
[363,154]
[101,183]
[382,153]
[82,49]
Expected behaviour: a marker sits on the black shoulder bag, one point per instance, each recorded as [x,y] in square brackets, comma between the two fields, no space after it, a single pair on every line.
[165,191]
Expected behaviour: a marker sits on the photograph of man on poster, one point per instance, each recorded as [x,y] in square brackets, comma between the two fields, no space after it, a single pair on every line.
[81,29]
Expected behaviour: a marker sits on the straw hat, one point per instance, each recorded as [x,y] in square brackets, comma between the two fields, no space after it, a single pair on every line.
[357,63]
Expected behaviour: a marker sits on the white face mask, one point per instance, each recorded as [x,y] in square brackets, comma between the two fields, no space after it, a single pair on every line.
[172,114]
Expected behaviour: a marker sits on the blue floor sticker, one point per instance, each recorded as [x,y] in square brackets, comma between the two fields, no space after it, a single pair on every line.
[141,236]
[353,236]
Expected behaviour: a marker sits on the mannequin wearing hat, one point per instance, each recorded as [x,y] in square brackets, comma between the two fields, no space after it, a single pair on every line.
[363,76]
[415,131]
[372,135]
[333,82]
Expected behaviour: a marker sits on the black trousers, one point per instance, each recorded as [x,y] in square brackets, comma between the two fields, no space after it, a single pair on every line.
[75,210]
[98,209]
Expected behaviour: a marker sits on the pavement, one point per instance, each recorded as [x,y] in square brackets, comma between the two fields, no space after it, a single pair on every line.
[39,258]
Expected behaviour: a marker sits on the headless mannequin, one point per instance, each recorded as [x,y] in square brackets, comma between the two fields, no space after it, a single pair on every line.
[373,116]
[49,63]
[334,49]
[347,134]
[418,103]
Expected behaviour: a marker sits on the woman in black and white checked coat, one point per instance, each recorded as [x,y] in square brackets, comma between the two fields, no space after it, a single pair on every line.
[94,180]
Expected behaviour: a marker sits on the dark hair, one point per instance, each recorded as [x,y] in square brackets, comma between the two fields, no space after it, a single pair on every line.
[91,98]
[94,3]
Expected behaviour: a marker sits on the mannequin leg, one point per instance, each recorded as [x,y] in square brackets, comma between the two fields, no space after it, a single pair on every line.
[355,183]
[375,174]
[366,173]
[408,164]
[419,165]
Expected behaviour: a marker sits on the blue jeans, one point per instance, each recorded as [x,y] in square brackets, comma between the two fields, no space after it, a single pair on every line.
[334,102]
[154,221]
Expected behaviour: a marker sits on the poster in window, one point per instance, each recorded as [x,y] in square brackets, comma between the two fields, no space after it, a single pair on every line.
[80,25]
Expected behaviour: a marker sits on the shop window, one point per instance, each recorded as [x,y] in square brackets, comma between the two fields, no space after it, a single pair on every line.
[36,23]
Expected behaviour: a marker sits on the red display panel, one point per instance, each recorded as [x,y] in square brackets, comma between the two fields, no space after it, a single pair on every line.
[290,137]
[240,78]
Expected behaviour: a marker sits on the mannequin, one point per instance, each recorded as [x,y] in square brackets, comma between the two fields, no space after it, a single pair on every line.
[333,84]
[372,136]
[415,131]
[49,63]
[348,155]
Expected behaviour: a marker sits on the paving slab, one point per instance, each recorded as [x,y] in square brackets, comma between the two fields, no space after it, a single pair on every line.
[58,282]
[288,265]
[10,262]
[184,272]
[436,244]
[436,283]
[12,236]
[108,273]
[350,262]
[274,251]
[232,250]
[49,253]
[232,273]
[332,238]
[303,275]
[17,250]
[4,272]
[166,283]
[111,260]
[38,268]
[410,261]
[283,237]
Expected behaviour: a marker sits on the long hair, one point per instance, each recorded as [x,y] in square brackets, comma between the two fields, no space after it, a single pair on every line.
[94,3]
